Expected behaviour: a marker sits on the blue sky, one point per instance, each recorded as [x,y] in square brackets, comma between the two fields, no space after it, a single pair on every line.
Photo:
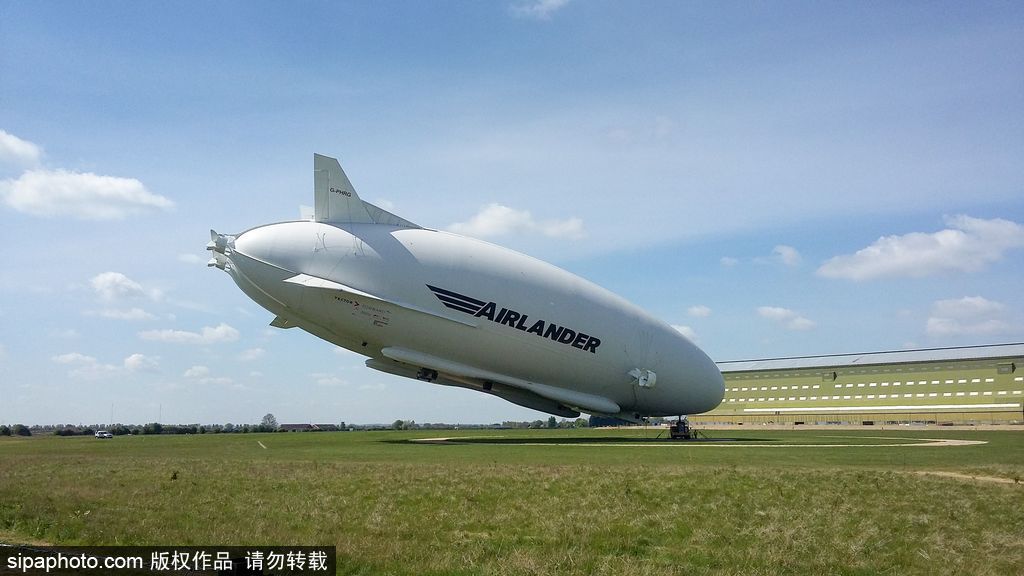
[772,178]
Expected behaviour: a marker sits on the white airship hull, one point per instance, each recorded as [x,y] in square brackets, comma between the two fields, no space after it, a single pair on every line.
[452,310]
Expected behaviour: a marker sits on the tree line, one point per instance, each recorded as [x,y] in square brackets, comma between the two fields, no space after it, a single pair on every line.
[16,430]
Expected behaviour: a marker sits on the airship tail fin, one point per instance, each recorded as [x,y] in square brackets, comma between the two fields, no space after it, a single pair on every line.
[336,200]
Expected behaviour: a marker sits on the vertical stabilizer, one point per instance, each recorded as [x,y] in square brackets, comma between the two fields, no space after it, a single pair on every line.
[335,197]
[336,200]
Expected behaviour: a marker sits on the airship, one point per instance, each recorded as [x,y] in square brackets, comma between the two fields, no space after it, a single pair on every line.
[451,310]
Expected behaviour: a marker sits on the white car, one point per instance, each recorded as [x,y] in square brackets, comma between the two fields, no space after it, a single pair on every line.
[103,434]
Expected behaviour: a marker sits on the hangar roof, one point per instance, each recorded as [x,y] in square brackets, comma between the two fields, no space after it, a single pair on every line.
[875,358]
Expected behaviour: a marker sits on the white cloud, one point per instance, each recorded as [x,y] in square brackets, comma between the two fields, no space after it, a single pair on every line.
[538,9]
[85,196]
[967,316]
[968,245]
[201,374]
[252,354]
[967,307]
[785,317]
[328,380]
[74,358]
[699,311]
[197,372]
[728,261]
[17,152]
[92,370]
[686,331]
[207,335]
[498,220]
[787,255]
[89,367]
[141,363]
[115,286]
[132,314]
[85,367]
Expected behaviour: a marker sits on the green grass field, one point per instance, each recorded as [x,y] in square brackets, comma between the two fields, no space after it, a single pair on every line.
[538,502]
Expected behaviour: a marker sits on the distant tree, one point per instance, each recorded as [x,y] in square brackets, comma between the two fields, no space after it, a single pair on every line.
[397,425]
[537,424]
[5,430]
[580,423]
[342,426]
[153,428]
[551,422]
[228,428]
[20,430]
[269,423]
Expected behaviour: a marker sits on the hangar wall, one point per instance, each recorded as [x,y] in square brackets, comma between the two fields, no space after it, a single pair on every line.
[967,385]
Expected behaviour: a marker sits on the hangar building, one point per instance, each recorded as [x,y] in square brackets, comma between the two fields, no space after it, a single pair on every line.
[967,385]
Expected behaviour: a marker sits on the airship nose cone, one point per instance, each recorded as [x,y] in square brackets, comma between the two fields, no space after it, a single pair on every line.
[709,388]
[257,243]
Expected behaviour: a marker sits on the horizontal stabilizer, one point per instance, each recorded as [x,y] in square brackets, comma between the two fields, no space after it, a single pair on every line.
[336,200]
[572,398]
[316,282]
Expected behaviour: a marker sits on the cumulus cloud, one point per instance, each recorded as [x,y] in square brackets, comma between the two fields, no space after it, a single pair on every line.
[538,9]
[74,358]
[207,335]
[83,366]
[789,319]
[498,220]
[201,374]
[327,380]
[132,314]
[787,255]
[252,354]
[80,195]
[728,261]
[967,316]
[112,286]
[686,331]
[88,367]
[17,152]
[699,311]
[115,287]
[197,372]
[141,363]
[967,245]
